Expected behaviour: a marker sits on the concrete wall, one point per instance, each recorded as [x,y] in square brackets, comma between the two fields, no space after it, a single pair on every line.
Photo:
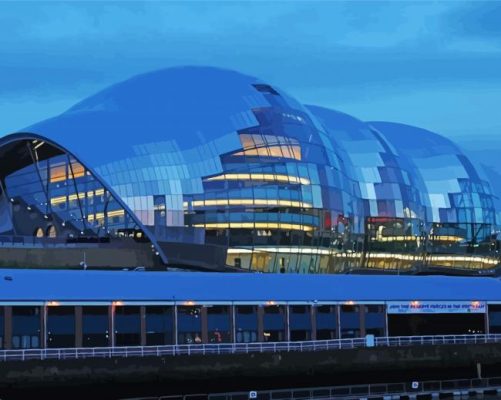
[188,374]
[52,257]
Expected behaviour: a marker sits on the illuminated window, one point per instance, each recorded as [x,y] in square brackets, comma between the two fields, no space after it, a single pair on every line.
[250,202]
[58,173]
[269,146]
[51,231]
[39,233]
[255,225]
[260,177]
[77,169]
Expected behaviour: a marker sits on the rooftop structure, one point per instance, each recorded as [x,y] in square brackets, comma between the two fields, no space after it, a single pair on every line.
[213,169]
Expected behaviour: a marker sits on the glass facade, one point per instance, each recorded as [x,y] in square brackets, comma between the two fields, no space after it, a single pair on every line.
[375,320]
[274,323]
[2,328]
[246,324]
[26,327]
[349,317]
[95,326]
[220,159]
[127,326]
[69,326]
[159,325]
[219,324]
[189,324]
[326,321]
[300,322]
[60,326]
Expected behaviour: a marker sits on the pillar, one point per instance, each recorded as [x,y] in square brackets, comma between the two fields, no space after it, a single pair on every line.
[204,323]
[361,310]
[78,326]
[111,325]
[337,310]
[287,323]
[486,320]
[174,328]
[233,325]
[260,323]
[43,326]
[8,327]
[142,317]
[313,315]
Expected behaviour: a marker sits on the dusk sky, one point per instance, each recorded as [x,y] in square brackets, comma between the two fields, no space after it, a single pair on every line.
[432,64]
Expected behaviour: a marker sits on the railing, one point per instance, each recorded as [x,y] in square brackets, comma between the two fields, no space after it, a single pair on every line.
[481,386]
[236,348]
[356,391]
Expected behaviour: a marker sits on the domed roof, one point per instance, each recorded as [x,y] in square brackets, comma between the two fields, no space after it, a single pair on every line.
[412,139]
[191,105]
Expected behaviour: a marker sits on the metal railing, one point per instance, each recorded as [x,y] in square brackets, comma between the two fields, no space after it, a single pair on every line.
[347,391]
[360,391]
[242,348]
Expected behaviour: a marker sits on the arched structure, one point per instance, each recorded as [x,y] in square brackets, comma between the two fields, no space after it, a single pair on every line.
[218,168]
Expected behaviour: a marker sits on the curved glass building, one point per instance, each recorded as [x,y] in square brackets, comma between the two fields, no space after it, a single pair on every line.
[213,169]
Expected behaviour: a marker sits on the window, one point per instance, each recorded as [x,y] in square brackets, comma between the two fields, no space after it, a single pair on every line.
[274,323]
[60,326]
[189,324]
[375,320]
[159,325]
[218,324]
[2,327]
[300,322]
[326,322]
[51,231]
[246,324]
[350,321]
[95,326]
[127,326]
[26,327]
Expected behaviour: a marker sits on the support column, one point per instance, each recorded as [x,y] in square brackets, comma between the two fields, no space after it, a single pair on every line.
[361,310]
[142,316]
[337,310]
[313,316]
[7,312]
[386,328]
[486,320]
[174,328]
[260,323]
[287,323]
[78,326]
[233,325]
[43,326]
[204,323]
[111,325]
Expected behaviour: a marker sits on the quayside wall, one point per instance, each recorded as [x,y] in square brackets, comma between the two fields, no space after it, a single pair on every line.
[226,372]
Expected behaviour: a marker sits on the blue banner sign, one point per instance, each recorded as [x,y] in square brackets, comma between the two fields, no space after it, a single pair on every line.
[435,307]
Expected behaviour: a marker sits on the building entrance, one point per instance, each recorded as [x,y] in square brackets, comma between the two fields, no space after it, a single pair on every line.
[435,324]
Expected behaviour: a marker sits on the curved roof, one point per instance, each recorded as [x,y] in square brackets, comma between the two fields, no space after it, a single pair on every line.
[192,105]
[166,132]
[46,285]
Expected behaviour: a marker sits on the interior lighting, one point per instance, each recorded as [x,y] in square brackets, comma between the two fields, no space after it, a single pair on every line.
[255,225]
[415,304]
[260,177]
[475,304]
[251,202]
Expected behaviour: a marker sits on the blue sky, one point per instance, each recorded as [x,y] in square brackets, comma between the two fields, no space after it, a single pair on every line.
[432,64]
